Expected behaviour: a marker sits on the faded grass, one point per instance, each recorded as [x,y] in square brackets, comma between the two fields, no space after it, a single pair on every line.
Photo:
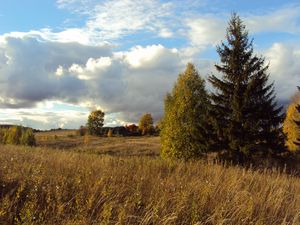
[48,186]
[117,146]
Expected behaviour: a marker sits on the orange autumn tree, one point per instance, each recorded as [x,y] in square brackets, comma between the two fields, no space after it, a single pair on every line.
[290,127]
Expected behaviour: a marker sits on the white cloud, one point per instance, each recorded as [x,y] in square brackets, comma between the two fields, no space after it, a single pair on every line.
[46,115]
[132,82]
[112,19]
[75,65]
[149,56]
[92,68]
[31,74]
[116,18]
[205,31]
[284,69]
[128,83]
[59,71]
[282,20]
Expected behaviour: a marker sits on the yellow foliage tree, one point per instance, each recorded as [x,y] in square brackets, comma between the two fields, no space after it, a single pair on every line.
[146,124]
[110,133]
[95,122]
[184,133]
[290,128]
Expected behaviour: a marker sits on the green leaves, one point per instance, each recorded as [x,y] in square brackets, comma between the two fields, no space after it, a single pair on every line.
[95,122]
[183,126]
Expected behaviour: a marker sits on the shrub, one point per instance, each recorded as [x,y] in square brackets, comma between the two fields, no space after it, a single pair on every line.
[110,133]
[82,131]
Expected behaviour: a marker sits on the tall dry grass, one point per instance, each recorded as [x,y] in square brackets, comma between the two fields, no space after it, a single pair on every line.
[47,186]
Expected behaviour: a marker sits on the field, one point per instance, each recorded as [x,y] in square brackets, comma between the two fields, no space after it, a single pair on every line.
[117,146]
[69,179]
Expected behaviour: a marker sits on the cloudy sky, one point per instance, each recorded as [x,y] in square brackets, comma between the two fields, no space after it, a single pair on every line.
[59,59]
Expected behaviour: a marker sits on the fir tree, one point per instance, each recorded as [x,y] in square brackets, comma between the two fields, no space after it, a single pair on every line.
[246,118]
[183,128]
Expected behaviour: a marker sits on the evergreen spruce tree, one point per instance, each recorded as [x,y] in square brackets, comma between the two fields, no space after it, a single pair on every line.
[183,128]
[246,118]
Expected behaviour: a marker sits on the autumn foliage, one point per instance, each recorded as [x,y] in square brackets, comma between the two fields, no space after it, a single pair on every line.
[95,122]
[17,135]
[290,126]
[146,124]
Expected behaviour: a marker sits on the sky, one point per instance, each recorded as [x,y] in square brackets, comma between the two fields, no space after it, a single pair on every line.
[60,59]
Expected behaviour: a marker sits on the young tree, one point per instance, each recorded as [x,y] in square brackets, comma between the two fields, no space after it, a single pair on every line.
[244,110]
[184,127]
[95,122]
[146,124]
[290,127]
[297,142]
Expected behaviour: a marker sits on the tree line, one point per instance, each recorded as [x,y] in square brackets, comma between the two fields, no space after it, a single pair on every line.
[239,119]
[17,135]
[95,124]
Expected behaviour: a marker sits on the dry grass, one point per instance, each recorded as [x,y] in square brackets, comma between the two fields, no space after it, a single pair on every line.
[47,186]
[117,146]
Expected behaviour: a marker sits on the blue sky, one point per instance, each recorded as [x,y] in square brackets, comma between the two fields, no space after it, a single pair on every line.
[60,59]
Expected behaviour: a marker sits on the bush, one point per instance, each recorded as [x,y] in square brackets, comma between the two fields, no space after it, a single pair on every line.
[82,131]
[110,133]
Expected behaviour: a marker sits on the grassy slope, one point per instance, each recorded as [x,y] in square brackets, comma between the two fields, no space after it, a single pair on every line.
[48,186]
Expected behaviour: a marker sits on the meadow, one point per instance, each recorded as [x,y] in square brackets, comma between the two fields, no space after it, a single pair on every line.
[68,179]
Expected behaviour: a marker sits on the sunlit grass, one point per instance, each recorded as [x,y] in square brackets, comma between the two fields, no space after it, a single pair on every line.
[47,186]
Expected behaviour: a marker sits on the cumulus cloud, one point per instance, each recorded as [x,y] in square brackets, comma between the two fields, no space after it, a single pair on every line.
[132,82]
[77,66]
[128,83]
[29,69]
[284,68]
[206,31]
